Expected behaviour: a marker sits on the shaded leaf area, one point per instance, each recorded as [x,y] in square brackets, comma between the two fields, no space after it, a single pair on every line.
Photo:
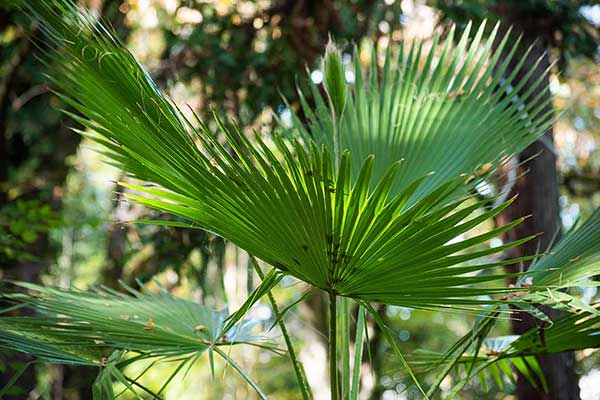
[444,111]
[111,330]
[21,224]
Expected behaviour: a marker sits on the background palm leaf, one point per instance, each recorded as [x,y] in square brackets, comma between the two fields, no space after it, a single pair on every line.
[99,328]
[448,113]
[571,262]
[574,259]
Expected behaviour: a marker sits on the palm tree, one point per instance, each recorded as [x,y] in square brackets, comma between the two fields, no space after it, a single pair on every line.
[367,203]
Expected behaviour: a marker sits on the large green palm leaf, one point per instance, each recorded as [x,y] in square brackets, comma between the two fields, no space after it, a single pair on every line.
[380,233]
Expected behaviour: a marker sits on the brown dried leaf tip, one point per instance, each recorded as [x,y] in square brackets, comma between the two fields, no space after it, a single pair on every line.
[492,354]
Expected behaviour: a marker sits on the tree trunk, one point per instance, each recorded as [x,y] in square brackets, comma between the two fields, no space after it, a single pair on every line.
[538,197]
[538,191]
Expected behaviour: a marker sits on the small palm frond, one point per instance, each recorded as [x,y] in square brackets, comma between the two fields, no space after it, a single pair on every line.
[573,331]
[97,328]
[448,113]
[574,259]
[570,263]
[156,324]
[294,204]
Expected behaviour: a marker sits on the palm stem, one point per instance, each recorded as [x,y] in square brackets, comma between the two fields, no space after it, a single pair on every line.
[333,376]
[298,369]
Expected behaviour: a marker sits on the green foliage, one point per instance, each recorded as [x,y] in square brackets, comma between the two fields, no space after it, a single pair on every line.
[571,262]
[110,330]
[35,140]
[573,259]
[448,115]
[320,225]
[497,356]
[21,222]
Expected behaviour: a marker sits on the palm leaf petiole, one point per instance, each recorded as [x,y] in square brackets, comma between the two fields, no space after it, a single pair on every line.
[241,371]
[298,368]
[333,375]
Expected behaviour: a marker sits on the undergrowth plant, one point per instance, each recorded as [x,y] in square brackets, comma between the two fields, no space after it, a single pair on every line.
[366,198]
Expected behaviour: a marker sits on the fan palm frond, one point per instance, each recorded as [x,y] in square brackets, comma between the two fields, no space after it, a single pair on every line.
[450,113]
[99,328]
[297,206]
[497,355]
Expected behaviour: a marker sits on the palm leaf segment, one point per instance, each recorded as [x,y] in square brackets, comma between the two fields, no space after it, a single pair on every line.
[497,355]
[111,330]
[575,258]
[80,327]
[575,331]
[448,112]
[295,205]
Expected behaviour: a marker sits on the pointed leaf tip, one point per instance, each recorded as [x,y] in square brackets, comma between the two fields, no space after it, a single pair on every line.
[334,78]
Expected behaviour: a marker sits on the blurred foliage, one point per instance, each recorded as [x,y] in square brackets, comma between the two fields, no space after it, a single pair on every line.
[34,141]
[242,56]
[21,223]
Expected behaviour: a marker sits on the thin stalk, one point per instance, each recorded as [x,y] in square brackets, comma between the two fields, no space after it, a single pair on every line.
[344,345]
[298,369]
[333,376]
[358,352]
[14,378]
[241,371]
[336,144]
[391,341]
